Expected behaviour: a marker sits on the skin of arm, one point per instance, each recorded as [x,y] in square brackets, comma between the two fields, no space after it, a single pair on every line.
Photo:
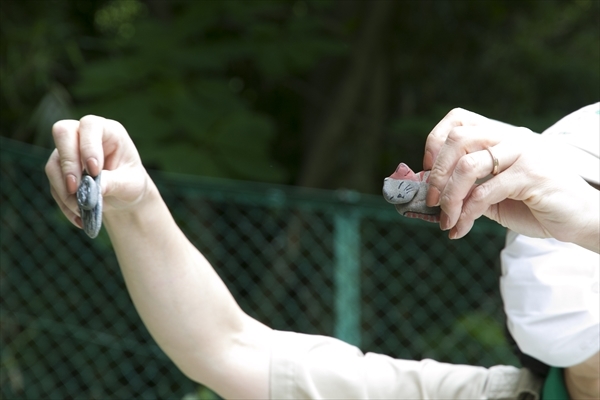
[181,299]
[185,305]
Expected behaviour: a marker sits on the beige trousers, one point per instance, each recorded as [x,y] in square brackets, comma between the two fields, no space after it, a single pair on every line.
[319,367]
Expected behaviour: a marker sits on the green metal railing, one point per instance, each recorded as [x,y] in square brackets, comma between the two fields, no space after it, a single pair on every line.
[334,263]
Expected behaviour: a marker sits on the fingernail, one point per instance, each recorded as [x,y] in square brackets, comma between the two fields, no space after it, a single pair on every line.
[444,221]
[71,182]
[433,197]
[92,166]
[79,222]
[453,233]
[427,160]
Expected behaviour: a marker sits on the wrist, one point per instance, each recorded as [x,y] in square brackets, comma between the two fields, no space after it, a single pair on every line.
[137,211]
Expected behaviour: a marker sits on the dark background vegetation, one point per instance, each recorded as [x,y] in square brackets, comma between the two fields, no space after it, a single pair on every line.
[315,93]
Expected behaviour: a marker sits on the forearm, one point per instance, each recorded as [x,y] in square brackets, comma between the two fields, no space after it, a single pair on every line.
[181,299]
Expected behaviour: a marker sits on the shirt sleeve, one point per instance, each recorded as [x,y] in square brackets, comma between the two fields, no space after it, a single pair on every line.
[319,367]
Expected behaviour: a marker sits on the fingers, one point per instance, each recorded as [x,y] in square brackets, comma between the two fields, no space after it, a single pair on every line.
[483,199]
[67,148]
[91,130]
[437,137]
[60,190]
[457,157]
[79,145]
[457,154]
[507,184]
[71,216]
[461,199]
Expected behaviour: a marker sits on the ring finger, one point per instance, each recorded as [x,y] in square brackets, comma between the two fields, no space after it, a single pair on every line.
[469,169]
[71,216]
[57,185]
[461,141]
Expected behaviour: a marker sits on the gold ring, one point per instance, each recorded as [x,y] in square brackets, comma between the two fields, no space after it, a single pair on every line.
[495,161]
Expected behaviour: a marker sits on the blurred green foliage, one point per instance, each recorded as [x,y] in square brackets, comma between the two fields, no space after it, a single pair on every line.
[258,90]
[184,103]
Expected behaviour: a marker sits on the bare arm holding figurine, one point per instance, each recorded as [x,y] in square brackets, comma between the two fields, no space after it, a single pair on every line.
[181,299]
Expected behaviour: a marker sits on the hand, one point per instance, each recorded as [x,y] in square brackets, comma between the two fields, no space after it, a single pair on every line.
[533,193]
[96,144]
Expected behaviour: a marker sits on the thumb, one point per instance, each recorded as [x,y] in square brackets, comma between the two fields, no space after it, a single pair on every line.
[124,186]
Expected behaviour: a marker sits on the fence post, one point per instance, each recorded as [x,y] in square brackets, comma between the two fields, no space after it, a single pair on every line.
[347,276]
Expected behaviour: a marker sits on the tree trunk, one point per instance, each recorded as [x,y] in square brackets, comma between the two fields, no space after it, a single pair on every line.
[318,166]
[369,131]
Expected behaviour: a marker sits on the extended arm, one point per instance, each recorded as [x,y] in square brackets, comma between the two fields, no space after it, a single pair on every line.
[179,296]
[187,308]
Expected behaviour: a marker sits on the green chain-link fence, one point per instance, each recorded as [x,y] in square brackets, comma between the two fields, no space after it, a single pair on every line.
[334,263]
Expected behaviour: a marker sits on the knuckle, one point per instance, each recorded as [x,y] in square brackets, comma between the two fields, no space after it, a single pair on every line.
[479,194]
[520,135]
[437,172]
[116,125]
[493,212]
[60,129]
[466,211]
[455,135]
[118,131]
[466,165]
[86,148]
[523,130]
[455,112]
[447,201]
[444,198]
[67,165]
[90,119]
